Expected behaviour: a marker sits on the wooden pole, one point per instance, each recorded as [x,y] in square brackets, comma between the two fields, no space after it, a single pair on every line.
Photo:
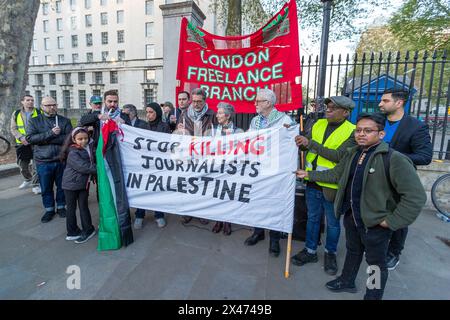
[288,256]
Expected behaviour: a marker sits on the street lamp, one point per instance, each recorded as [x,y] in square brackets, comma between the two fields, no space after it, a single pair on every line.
[323,52]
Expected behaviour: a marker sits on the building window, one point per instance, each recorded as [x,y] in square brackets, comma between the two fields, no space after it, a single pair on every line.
[47,43]
[45,25]
[67,78]
[121,55]
[73,5]
[149,95]
[75,58]
[52,79]
[81,78]
[149,4]
[96,92]
[58,6]
[150,51]
[89,57]
[149,29]
[66,99]
[149,75]
[48,60]
[104,18]
[104,37]
[120,36]
[34,44]
[113,77]
[59,24]
[35,61]
[45,9]
[119,1]
[98,77]
[74,41]
[53,95]
[60,58]
[89,39]
[120,16]
[38,96]
[105,55]
[87,4]
[40,79]
[103,2]
[73,23]
[82,98]
[60,42]
[88,20]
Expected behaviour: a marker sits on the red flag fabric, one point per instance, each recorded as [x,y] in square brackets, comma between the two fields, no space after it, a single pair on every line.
[233,69]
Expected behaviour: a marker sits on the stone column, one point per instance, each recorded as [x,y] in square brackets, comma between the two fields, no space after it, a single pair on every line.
[172,15]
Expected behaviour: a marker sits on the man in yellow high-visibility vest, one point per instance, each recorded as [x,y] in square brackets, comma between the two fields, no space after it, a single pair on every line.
[24,151]
[323,143]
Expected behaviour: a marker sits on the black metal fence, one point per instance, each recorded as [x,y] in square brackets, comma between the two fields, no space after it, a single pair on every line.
[364,77]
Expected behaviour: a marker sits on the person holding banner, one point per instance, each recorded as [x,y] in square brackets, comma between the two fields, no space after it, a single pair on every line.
[379,192]
[327,135]
[154,114]
[268,117]
[225,112]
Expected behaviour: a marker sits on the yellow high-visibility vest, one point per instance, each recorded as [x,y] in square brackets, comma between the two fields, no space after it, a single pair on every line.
[334,141]
[21,124]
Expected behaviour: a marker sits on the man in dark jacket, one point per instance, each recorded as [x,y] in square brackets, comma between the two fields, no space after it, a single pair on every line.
[379,192]
[198,118]
[47,133]
[411,137]
[131,111]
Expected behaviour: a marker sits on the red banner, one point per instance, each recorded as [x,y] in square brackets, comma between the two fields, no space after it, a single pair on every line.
[233,69]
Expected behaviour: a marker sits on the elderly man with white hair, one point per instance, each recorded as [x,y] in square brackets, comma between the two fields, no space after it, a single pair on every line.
[268,117]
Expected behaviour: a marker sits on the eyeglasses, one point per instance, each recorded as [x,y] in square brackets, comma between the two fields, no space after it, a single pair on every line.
[333,108]
[366,131]
[50,105]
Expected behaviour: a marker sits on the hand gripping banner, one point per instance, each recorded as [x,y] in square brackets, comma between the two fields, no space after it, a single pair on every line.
[233,69]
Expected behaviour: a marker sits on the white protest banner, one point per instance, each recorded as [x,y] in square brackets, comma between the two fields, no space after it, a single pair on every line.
[244,178]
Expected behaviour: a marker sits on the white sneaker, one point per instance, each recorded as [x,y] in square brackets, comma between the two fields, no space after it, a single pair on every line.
[138,223]
[72,238]
[36,190]
[161,222]
[25,184]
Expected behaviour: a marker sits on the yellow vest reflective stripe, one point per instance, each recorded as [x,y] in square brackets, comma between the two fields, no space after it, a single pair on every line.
[21,125]
[334,141]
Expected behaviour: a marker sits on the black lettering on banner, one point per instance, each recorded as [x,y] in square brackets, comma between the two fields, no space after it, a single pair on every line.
[204,167]
[216,189]
[181,184]
[254,166]
[191,182]
[226,189]
[211,170]
[151,179]
[244,165]
[169,164]
[206,180]
[137,145]
[173,146]
[134,180]
[159,184]
[163,147]
[233,167]
[180,165]
[159,164]
[244,192]
[149,144]
[169,182]
[146,165]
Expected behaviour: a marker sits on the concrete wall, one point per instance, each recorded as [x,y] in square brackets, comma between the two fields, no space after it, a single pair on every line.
[429,174]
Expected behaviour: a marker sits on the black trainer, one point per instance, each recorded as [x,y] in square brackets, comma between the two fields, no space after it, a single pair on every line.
[392,261]
[253,239]
[48,216]
[330,263]
[61,212]
[85,237]
[304,257]
[274,248]
[339,285]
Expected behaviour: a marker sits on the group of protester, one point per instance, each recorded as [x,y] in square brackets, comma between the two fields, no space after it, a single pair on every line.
[364,172]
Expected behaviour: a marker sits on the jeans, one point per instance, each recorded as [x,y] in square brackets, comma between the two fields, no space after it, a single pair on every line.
[140,213]
[317,205]
[374,242]
[398,241]
[51,173]
[81,197]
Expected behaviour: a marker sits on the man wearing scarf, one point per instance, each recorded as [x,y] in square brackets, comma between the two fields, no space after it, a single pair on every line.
[268,117]
[198,118]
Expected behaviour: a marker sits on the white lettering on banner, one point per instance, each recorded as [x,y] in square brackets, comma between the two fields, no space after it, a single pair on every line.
[244,178]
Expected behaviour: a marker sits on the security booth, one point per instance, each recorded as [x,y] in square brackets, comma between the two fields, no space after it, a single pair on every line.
[367,92]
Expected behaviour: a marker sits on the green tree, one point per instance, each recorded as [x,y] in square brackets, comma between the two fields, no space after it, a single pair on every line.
[17,18]
[423,23]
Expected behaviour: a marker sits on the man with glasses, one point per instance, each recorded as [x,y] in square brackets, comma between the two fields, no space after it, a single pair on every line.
[47,133]
[379,192]
[323,143]
[268,117]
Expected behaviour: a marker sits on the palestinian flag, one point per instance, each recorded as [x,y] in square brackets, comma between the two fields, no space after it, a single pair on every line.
[115,222]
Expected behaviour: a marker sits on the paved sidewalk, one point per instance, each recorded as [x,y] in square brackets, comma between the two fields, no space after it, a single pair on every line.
[189,262]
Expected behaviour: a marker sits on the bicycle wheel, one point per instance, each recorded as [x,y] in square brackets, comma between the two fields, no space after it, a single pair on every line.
[5,145]
[440,194]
